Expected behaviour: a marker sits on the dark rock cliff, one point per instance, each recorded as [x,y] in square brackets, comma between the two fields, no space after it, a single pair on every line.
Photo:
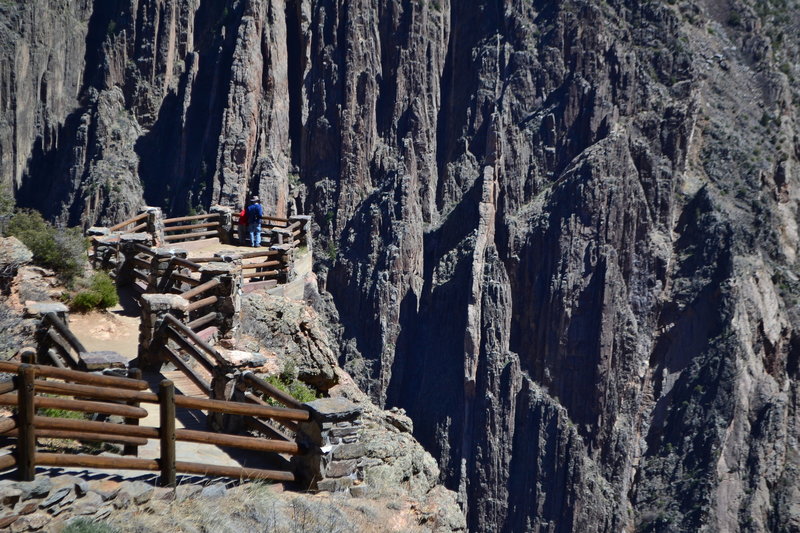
[562,235]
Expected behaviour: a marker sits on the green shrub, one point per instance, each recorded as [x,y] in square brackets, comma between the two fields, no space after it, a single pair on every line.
[85,301]
[61,249]
[299,390]
[99,292]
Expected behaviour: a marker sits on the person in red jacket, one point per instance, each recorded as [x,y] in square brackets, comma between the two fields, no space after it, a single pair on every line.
[242,226]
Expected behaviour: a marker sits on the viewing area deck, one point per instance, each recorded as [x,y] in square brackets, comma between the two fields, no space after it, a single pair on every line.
[181,405]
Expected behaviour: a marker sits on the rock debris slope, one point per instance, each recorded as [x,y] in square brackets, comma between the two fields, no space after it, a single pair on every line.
[561,235]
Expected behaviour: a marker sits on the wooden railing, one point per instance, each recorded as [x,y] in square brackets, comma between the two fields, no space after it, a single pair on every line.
[103,394]
[175,231]
[59,343]
[130,222]
[278,230]
[270,264]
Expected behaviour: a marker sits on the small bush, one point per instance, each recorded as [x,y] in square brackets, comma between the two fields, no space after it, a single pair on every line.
[61,249]
[299,390]
[99,293]
[85,301]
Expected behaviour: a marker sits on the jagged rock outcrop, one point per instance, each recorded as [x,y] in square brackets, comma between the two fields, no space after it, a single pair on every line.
[294,333]
[561,235]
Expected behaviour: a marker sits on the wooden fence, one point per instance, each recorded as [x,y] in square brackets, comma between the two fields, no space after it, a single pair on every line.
[277,230]
[203,355]
[132,225]
[176,230]
[121,396]
[59,344]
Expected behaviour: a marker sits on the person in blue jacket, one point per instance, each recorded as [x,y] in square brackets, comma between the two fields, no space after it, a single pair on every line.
[254,214]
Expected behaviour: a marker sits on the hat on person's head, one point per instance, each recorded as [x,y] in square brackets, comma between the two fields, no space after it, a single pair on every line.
[254,199]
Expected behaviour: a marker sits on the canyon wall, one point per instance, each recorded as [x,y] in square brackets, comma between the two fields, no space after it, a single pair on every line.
[561,235]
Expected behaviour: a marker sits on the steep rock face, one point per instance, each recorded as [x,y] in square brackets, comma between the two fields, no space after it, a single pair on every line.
[41,73]
[204,114]
[562,235]
[597,230]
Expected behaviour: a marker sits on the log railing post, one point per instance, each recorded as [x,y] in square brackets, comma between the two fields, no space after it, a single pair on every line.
[27,355]
[166,403]
[26,443]
[130,449]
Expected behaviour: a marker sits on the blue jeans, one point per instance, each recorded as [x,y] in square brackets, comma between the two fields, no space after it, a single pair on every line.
[255,233]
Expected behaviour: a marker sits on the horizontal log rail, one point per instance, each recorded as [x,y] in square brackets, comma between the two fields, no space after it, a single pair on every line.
[190,348]
[200,289]
[275,219]
[138,228]
[185,279]
[142,249]
[231,408]
[232,471]
[202,321]
[294,225]
[234,408]
[273,392]
[81,435]
[199,304]
[259,425]
[89,426]
[178,237]
[7,424]
[94,392]
[141,263]
[7,387]
[7,461]
[264,274]
[186,263]
[124,223]
[96,461]
[195,338]
[248,266]
[267,218]
[83,406]
[191,226]
[252,398]
[265,253]
[237,441]
[78,376]
[190,217]
[182,435]
[206,259]
[176,360]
